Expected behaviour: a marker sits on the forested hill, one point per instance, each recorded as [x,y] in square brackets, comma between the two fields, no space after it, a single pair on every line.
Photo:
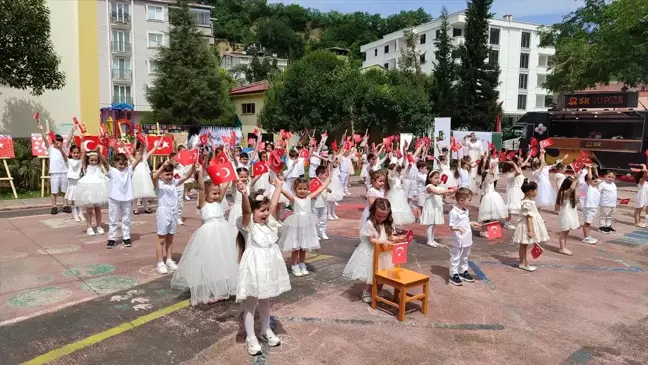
[291,30]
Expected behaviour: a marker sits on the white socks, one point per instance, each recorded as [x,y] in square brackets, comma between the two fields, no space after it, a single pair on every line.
[248,316]
[430,233]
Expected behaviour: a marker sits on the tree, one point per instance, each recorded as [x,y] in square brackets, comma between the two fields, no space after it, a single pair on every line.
[27,56]
[442,94]
[598,43]
[476,106]
[189,88]
[277,37]
[260,69]
[410,57]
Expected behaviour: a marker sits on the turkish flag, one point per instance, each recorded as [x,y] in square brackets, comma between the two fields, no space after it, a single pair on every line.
[399,254]
[546,143]
[260,168]
[276,164]
[127,148]
[203,139]
[256,132]
[410,158]
[315,184]
[6,147]
[624,201]
[226,139]
[576,166]
[348,145]
[444,179]
[52,136]
[357,138]
[304,154]
[187,157]
[91,143]
[502,156]
[220,158]
[138,128]
[494,230]
[81,126]
[221,173]
[510,155]
[141,137]
[164,144]
[334,146]
[312,142]
[280,152]
[251,141]
[409,236]
[536,251]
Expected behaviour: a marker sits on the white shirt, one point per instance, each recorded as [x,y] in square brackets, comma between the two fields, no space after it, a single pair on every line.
[295,173]
[314,164]
[346,166]
[167,195]
[74,169]
[57,163]
[464,178]
[560,178]
[459,218]
[120,187]
[495,165]
[592,197]
[300,166]
[178,172]
[608,194]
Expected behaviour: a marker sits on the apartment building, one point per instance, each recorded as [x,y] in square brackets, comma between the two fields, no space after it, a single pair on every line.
[515,47]
[130,33]
[236,62]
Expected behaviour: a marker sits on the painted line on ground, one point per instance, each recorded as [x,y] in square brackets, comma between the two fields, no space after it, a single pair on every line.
[613,257]
[98,337]
[580,357]
[631,269]
[316,258]
[479,274]
[366,322]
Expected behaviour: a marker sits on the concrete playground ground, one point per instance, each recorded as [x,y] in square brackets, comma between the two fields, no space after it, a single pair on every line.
[66,299]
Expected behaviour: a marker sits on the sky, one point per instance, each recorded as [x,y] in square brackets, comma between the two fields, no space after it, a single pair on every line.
[534,11]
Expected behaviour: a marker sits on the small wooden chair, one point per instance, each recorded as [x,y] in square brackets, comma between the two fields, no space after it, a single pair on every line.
[401,280]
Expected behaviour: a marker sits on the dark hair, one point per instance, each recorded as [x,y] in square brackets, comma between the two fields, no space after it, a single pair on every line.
[244,155]
[293,153]
[528,186]
[238,148]
[168,168]
[421,164]
[371,156]
[463,193]
[261,153]
[257,204]
[320,169]
[428,179]
[242,169]
[120,157]
[559,166]
[75,147]
[138,145]
[58,138]
[388,223]
[566,184]
[299,181]
[172,155]
[444,149]
[180,147]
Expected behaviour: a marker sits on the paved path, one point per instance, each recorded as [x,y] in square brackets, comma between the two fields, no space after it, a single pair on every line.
[65,299]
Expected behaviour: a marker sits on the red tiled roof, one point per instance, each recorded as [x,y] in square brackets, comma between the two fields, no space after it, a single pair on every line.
[256,87]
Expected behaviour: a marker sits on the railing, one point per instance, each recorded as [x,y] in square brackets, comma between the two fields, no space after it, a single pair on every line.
[122,99]
[116,18]
[121,74]
[122,47]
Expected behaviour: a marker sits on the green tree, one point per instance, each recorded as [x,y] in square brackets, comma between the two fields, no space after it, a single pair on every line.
[189,88]
[261,68]
[410,58]
[599,42]
[476,106]
[27,57]
[442,94]
[404,19]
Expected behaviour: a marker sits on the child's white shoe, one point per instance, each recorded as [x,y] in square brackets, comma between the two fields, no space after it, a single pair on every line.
[171,265]
[180,222]
[161,268]
[100,230]
[296,270]
[324,236]
[331,218]
[304,270]
[252,346]
[366,296]
[90,232]
[270,338]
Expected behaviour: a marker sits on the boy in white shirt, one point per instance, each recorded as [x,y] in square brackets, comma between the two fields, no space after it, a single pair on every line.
[591,198]
[295,168]
[120,194]
[58,169]
[178,171]
[346,169]
[461,227]
[608,203]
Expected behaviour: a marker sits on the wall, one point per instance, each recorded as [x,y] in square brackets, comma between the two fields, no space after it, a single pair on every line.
[249,121]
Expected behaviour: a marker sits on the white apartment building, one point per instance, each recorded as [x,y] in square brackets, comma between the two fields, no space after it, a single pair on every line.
[130,33]
[515,46]
[236,62]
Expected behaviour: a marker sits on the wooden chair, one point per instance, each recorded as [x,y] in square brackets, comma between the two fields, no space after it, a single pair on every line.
[401,280]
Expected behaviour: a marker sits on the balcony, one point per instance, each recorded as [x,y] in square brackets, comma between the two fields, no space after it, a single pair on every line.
[117,99]
[120,47]
[120,19]
[122,74]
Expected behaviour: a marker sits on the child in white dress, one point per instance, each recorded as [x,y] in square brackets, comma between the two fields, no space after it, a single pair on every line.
[73,176]
[262,271]
[91,191]
[492,207]
[336,192]
[641,202]
[143,188]
[421,182]
[546,193]
[568,215]
[376,191]
[447,176]
[379,230]
[530,226]
[320,206]
[401,210]
[432,211]
[514,195]
[300,229]
[208,267]
[590,202]
[236,209]
[559,177]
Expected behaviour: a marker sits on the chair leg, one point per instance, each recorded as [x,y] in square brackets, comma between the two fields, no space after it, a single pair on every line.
[401,306]
[424,304]
[374,294]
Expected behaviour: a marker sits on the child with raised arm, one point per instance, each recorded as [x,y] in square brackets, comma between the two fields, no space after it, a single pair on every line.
[57,153]
[568,215]
[641,202]
[590,202]
[432,211]
[91,191]
[120,192]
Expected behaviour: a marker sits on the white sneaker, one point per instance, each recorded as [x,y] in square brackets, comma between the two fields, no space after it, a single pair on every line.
[527,267]
[161,268]
[336,217]
[338,204]
[509,225]
[296,270]
[271,338]
[324,236]
[187,198]
[366,296]
[100,230]
[590,240]
[331,218]
[252,346]
[180,222]
[82,217]
[433,244]
[90,232]
[171,265]
[304,270]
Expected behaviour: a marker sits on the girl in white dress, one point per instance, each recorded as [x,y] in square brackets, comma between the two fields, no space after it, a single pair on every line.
[514,195]
[262,271]
[142,182]
[546,193]
[379,230]
[401,210]
[475,150]
[376,191]
[300,229]
[492,207]
[559,177]
[421,182]
[73,176]
[91,191]
[336,193]
[432,212]
[447,176]
[568,215]
[530,226]
[641,202]
[208,267]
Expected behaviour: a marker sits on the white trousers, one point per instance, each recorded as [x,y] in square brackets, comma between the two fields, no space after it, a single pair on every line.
[344,180]
[180,202]
[606,216]
[322,218]
[119,210]
[459,259]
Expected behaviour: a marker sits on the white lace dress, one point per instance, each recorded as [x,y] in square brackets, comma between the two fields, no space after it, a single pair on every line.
[492,206]
[642,196]
[142,181]
[447,176]
[300,229]
[401,211]
[337,192]
[372,192]
[262,271]
[568,216]
[208,266]
[546,196]
[360,265]
[540,235]
[514,194]
[92,188]
[432,212]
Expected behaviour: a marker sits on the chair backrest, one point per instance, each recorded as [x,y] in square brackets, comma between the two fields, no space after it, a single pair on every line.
[379,249]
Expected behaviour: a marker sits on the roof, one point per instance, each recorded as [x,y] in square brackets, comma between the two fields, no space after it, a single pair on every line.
[255,87]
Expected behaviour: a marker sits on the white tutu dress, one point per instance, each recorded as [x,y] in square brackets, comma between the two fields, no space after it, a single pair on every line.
[514,195]
[642,196]
[447,175]
[401,211]
[492,206]
[299,231]
[568,216]
[337,193]
[142,181]
[208,266]
[73,175]
[262,271]
[540,235]
[92,188]
[546,193]
[372,192]
[236,210]
[360,265]
[432,212]
[263,183]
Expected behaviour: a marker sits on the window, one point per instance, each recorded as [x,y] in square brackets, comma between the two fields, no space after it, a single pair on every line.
[247,108]
[155,13]
[493,57]
[120,41]
[387,48]
[122,94]
[457,32]
[422,39]
[121,68]
[422,58]
[523,81]
[524,60]
[526,39]
[201,18]
[437,34]
[155,39]
[541,80]
[120,12]
[376,52]
[494,36]
[152,67]
[522,102]
[386,65]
